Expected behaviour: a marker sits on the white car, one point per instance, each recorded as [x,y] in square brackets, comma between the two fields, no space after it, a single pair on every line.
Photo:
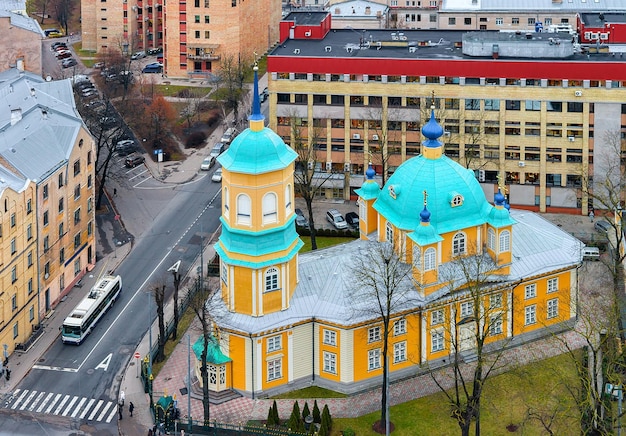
[207,163]
[217,175]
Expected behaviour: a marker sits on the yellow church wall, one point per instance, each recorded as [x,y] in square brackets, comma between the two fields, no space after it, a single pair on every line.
[439,327]
[329,341]
[368,218]
[260,259]
[360,350]
[301,352]
[412,339]
[504,257]
[244,293]
[471,239]
[268,356]
[292,279]
[272,301]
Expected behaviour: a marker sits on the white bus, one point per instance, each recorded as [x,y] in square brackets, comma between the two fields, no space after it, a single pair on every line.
[84,317]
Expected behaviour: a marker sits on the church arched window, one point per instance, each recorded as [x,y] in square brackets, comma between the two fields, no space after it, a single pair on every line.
[505,241]
[244,209]
[269,208]
[458,244]
[271,279]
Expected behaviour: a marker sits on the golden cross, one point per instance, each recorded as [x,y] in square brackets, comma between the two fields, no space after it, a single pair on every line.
[425,197]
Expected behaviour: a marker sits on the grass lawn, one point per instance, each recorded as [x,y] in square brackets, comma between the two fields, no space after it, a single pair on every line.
[311,392]
[322,242]
[506,400]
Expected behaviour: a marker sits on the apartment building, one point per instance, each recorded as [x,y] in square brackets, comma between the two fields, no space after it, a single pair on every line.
[20,38]
[196,35]
[525,107]
[48,225]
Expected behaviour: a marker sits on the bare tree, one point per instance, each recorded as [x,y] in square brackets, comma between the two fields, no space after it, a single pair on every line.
[469,332]
[385,135]
[177,277]
[382,286]
[158,289]
[232,73]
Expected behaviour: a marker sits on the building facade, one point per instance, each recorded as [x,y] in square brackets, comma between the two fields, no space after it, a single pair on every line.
[285,320]
[542,123]
[196,36]
[45,143]
[20,38]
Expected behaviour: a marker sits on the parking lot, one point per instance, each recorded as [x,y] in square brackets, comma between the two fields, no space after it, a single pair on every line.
[321,206]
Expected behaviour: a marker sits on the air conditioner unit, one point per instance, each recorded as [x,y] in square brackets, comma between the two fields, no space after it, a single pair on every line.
[578,93]
[310,164]
[329,166]
[570,138]
[374,137]
[346,167]
[446,133]
[307,33]
[296,51]
[481,175]
[521,164]
[356,136]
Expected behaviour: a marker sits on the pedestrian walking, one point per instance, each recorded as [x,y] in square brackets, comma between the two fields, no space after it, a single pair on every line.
[119,410]
[150,432]
[131,407]
[114,192]
[122,398]
[591,216]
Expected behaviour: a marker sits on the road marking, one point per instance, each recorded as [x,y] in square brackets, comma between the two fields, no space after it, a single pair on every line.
[30,397]
[69,406]
[34,403]
[63,401]
[105,363]
[110,418]
[53,403]
[95,410]
[104,411]
[73,415]
[87,407]
[54,368]
[43,404]
[19,400]
[137,175]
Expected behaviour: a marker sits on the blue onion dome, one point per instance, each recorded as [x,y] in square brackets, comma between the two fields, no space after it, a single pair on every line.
[425,215]
[432,130]
[370,173]
[498,198]
[370,189]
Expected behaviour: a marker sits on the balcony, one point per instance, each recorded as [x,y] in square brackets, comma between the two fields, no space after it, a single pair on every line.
[204,52]
[203,57]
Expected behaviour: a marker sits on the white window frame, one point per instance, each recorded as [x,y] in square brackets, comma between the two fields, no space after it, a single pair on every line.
[274,343]
[430,259]
[244,210]
[287,200]
[225,202]
[491,239]
[274,369]
[330,337]
[373,359]
[271,279]
[417,257]
[270,208]
[553,285]
[530,314]
[437,341]
[530,291]
[436,317]
[399,352]
[505,241]
[467,309]
[373,334]
[399,327]
[458,244]
[495,300]
[495,324]
[330,362]
[389,232]
[499,21]
[224,273]
[553,308]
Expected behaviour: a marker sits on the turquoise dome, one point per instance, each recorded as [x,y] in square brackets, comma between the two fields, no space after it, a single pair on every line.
[257,152]
[444,181]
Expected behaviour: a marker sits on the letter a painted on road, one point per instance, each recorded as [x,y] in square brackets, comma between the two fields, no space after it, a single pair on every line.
[105,363]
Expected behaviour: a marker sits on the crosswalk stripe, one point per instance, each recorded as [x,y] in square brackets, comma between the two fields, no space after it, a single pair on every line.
[30,397]
[113,411]
[104,411]
[87,407]
[53,403]
[44,402]
[80,404]
[34,403]
[69,406]
[19,400]
[95,410]
[61,404]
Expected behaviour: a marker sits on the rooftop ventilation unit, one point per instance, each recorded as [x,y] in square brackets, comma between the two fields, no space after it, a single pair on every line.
[329,166]
[307,33]
[356,136]
[578,93]
[374,137]
[570,139]
[296,51]
[521,164]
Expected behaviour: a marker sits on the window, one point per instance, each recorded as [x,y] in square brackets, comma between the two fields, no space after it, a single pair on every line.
[274,344]
[207,34]
[389,232]
[515,21]
[269,208]
[531,21]
[530,315]
[373,334]
[76,168]
[553,308]
[429,259]
[330,362]
[492,104]
[505,241]
[77,192]
[89,157]
[45,192]
[271,279]
[287,199]
[530,291]
[467,21]
[330,337]
[451,21]
[61,230]
[458,244]
[399,352]
[46,243]
[197,33]
[495,324]
[12,220]
[553,285]
[29,232]
[77,267]
[14,274]
[472,104]
[30,286]
[31,313]
[77,216]
[373,359]
[207,20]
[467,309]
[60,180]
[16,330]
[89,181]
[30,259]
[436,317]
[224,273]
[495,301]
[14,302]
[533,105]
[499,21]
[45,218]
[243,209]
[399,328]
[436,340]
[13,246]
[196,19]
[274,369]
[61,205]
[29,206]
[491,239]
[89,228]
[77,240]
[62,255]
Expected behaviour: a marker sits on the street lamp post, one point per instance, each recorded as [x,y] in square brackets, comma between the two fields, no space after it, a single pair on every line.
[188,383]
[150,378]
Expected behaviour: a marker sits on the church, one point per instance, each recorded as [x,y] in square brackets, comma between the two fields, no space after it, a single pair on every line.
[285,320]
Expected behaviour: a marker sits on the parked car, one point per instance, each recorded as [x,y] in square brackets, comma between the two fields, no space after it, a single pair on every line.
[591,253]
[133,160]
[69,62]
[99,65]
[207,163]
[53,33]
[217,175]
[138,55]
[63,54]
[602,226]
[154,51]
[336,219]
[218,149]
[352,218]
[301,220]
[152,69]
[124,143]
[228,135]
[57,44]
[264,95]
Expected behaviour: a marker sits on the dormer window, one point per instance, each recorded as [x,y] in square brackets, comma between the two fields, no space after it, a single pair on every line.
[457,200]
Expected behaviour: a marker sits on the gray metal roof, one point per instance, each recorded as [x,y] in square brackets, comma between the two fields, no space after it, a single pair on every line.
[565,6]
[325,277]
[45,124]
[599,20]
[15,10]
